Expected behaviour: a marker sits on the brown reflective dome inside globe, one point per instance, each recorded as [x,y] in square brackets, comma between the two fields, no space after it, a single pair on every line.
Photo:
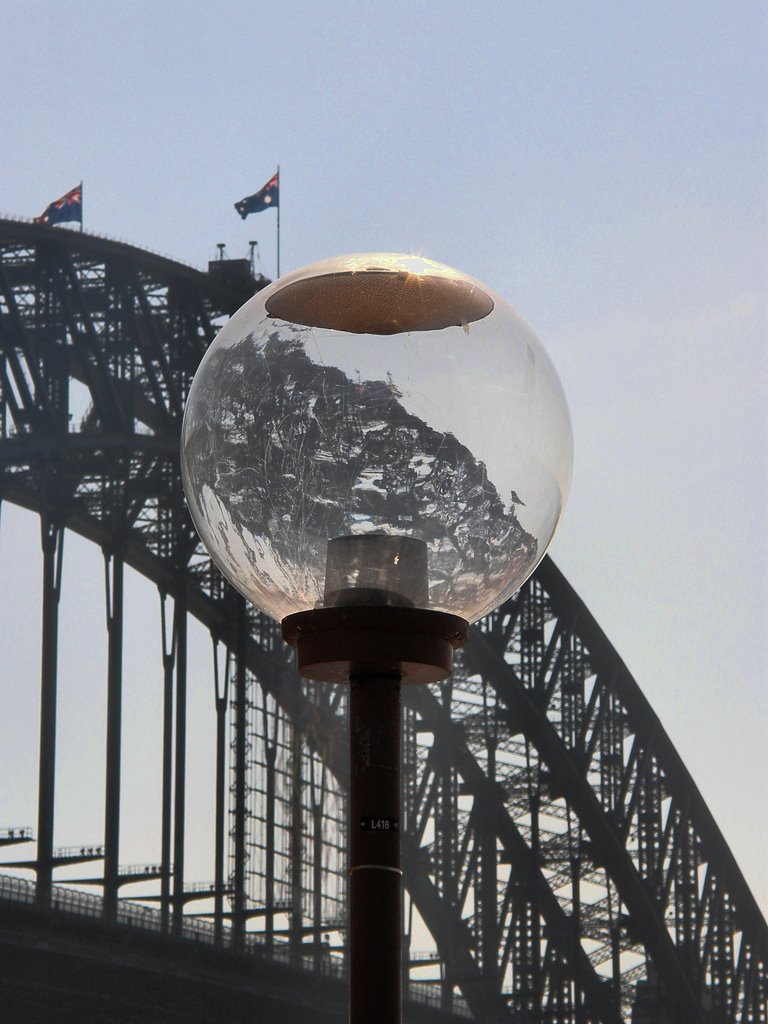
[380,302]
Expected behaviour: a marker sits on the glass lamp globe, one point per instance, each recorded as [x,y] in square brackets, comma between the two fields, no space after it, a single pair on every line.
[376,429]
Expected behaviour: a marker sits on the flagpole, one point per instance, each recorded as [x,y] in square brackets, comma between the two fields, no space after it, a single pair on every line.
[278,220]
[81,204]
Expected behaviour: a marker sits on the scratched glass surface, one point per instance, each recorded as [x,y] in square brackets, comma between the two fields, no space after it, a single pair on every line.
[376,395]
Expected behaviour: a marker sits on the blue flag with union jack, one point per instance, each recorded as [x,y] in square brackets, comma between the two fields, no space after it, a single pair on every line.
[68,207]
[266,197]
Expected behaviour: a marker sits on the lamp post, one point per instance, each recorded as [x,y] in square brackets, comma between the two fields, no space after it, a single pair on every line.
[376,452]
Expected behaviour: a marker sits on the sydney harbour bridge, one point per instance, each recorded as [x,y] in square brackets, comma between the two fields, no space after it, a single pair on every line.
[560,863]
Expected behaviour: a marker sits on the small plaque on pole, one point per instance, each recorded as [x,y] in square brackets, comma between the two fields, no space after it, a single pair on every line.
[373,823]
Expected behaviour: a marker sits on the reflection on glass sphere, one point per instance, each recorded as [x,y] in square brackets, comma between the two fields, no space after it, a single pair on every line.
[394,407]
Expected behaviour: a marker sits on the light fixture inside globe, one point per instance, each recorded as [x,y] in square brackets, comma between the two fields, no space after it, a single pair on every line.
[376,429]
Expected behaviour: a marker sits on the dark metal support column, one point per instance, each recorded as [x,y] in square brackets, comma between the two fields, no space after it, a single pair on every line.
[114,597]
[52,539]
[317,800]
[297,845]
[445,845]
[317,878]
[241,768]
[221,689]
[489,885]
[533,930]
[270,751]
[575,859]
[180,772]
[169,659]
[375,924]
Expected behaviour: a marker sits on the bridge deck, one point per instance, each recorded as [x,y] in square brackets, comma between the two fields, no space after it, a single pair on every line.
[65,961]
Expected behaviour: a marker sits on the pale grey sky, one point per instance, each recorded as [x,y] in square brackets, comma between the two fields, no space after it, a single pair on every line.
[600,165]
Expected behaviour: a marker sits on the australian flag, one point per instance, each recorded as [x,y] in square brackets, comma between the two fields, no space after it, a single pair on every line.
[262,200]
[68,207]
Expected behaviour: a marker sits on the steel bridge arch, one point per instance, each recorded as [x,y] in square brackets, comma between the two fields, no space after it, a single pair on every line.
[561,857]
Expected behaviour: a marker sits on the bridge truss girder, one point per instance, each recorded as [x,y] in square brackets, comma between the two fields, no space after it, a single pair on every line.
[555,847]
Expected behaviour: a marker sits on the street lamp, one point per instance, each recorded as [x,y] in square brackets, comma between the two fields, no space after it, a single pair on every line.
[376,451]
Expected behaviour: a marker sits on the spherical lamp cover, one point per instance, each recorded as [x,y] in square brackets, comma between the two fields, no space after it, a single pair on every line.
[376,429]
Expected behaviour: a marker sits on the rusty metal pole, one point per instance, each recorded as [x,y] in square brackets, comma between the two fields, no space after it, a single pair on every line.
[375,875]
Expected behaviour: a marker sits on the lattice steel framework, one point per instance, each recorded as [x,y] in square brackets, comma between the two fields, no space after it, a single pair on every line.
[556,850]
